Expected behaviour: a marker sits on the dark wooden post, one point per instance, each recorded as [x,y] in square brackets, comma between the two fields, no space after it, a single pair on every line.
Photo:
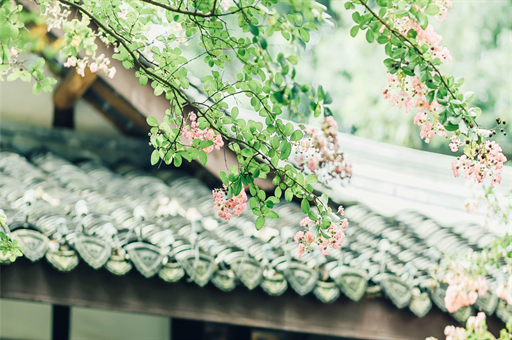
[183,329]
[239,333]
[61,319]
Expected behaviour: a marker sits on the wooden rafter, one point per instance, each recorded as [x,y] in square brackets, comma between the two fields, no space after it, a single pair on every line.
[72,87]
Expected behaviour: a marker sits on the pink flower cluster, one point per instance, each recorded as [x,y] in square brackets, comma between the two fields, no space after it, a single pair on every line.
[408,92]
[505,291]
[335,234]
[455,333]
[476,323]
[484,158]
[443,9]
[194,132]
[489,162]
[227,207]
[430,37]
[225,4]
[320,154]
[463,290]
[428,129]
[100,63]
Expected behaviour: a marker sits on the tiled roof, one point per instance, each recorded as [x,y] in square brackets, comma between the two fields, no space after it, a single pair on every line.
[163,224]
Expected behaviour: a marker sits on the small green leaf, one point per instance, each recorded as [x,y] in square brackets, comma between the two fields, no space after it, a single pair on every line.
[177,161]
[288,195]
[311,179]
[152,121]
[224,178]
[272,214]
[305,205]
[369,36]
[154,157]
[353,31]
[296,136]
[143,80]
[234,113]
[432,9]
[36,89]
[468,96]
[286,149]
[254,30]
[260,222]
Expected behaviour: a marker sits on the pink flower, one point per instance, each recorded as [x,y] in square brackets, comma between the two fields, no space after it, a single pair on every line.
[334,238]
[455,333]
[309,237]
[313,163]
[463,290]
[341,211]
[227,207]
[226,4]
[301,250]
[320,153]
[298,236]
[111,72]
[344,224]
[305,222]
[476,323]
[71,62]
[14,51]
[93,67]
[193,132]
[81,68]
[123,15]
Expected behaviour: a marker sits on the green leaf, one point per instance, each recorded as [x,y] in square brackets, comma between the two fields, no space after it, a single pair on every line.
[353,31]
[304,34]
[468,96]
[451,127]
[246,153]
[224,178]
[234,113]
[193,152]
[260,222]
[154,157]
[177,160]
[293,59]
[272,214]
[304,205]
[382,39]
[286,149]
[143,80]
[152,121]
[263,43]
[13,76]
[311,179]
[254,30]
[356,17]
[463,127]
[296,136]
[36,89]
[432,9]
[288,195]
[369,36]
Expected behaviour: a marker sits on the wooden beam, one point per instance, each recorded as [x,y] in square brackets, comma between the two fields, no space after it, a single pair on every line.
[84,286]
[116,109]
[72,87]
